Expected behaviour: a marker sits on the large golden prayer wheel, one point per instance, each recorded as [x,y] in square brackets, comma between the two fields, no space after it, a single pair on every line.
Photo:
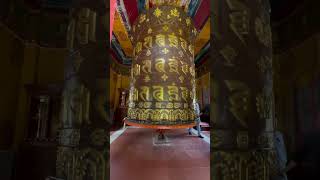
[162,89]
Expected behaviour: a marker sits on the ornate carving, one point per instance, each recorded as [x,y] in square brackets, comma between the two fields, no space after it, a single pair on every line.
[265,140]
[236,165]
[65,162]
[263,31]
[75,164]
[239,18]
[171,114]
[86,24]
[265,65]
[264,105]
[229,54]
[239,100]
[69,137]
[243,139]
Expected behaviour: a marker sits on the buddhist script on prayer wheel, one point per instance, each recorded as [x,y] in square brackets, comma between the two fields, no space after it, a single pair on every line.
[162,89]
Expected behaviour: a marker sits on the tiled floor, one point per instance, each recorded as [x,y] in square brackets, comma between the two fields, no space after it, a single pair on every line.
[134,157]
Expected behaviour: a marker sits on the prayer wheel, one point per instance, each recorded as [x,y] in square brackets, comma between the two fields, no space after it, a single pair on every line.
[162,88]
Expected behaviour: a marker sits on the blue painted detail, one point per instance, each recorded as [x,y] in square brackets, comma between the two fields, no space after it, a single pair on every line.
[141,6]
[193,7]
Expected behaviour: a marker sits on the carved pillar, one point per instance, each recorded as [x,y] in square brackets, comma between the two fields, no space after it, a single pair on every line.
[83,141]
[242,136]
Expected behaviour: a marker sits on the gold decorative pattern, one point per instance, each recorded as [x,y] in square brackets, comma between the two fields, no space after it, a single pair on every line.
[163,61]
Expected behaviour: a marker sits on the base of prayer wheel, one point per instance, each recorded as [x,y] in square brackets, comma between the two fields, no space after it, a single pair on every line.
[178,126]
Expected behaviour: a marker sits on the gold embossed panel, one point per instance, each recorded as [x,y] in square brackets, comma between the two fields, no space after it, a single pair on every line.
[162,89]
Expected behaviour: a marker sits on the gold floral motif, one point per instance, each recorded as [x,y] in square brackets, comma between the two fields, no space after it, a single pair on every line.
[149,31]
[174,12]
[165,51]
[164,77]
[157,12]
[165,28]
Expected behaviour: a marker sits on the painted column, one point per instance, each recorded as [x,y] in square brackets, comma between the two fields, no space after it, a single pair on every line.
[242,135]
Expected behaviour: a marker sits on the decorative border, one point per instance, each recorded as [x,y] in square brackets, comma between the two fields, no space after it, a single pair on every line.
[153,126]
